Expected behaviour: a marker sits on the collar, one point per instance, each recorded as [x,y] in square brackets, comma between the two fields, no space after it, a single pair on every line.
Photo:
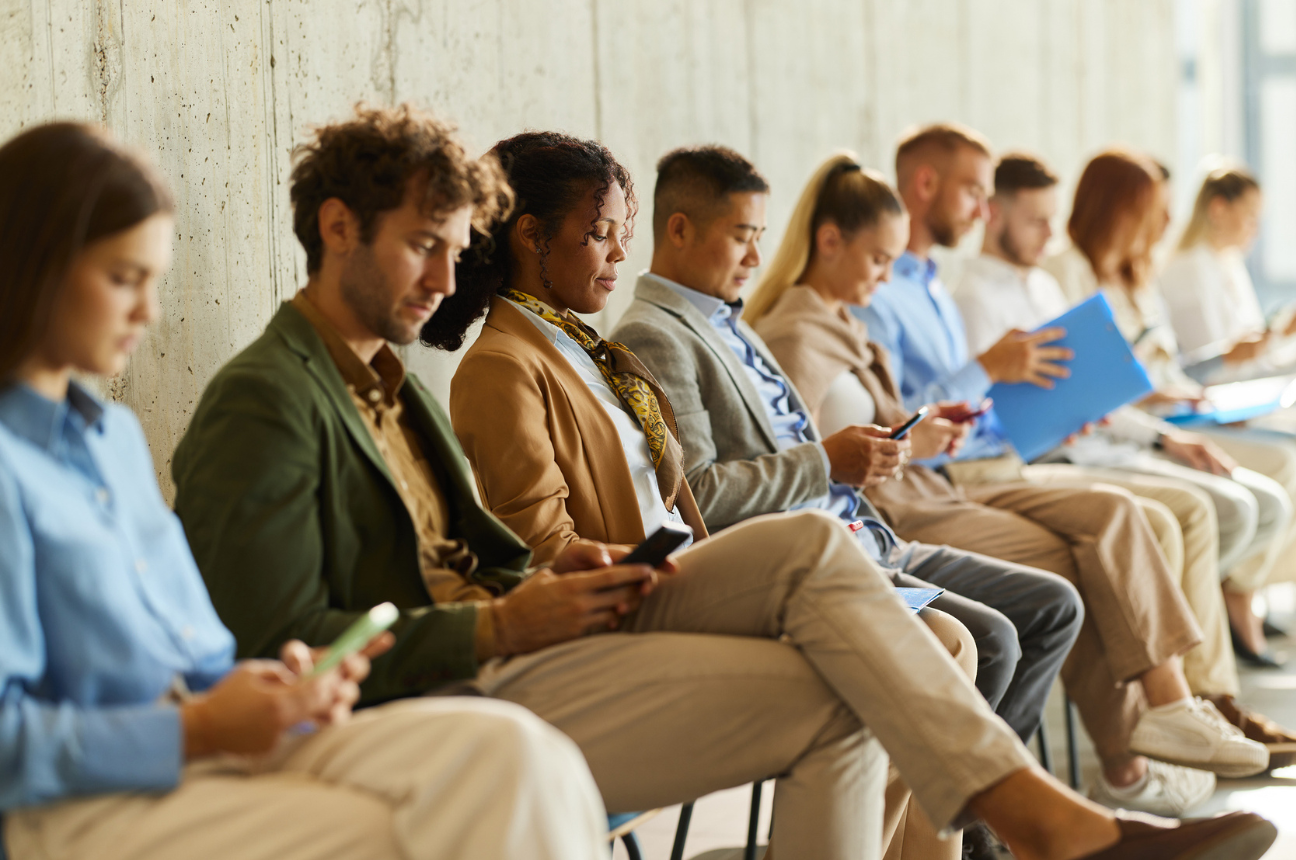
[714,309]
[546,328]
[908,267]
[40,420]
[380,380]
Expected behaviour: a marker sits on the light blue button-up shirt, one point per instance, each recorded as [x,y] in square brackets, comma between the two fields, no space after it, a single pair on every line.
[791,425]
[102,608]
[916,319]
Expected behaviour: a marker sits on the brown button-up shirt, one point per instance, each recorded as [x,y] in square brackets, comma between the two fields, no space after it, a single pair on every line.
[444,562]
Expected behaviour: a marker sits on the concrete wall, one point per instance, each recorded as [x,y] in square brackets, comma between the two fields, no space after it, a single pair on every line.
[219,90]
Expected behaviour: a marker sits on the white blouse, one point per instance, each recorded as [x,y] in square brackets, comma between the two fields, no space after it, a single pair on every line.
[1210,297]
[846,403]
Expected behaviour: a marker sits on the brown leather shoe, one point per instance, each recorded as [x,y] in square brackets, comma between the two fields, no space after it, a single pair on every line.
[1257,727]
[1232,836]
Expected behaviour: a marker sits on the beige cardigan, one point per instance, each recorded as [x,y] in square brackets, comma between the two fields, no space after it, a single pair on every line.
[814,347]
[547,457]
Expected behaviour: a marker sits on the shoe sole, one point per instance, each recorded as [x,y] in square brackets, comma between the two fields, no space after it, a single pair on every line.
[1249,844]
[1228,771]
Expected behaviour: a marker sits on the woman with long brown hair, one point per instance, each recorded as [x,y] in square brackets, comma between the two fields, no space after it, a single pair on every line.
[1116,220]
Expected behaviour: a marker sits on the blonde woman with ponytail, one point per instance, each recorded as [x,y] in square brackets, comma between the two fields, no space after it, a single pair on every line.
[846,229]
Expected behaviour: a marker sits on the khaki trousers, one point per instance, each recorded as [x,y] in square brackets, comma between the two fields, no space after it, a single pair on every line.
[422,779]
[1098,539]
[780,648]
[1189,537]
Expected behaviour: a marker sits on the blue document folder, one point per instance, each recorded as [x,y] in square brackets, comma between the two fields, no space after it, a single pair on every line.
[917,598]
[1105,376]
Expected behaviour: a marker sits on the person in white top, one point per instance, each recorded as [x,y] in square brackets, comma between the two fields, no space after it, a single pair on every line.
[1206,286]
[1117,219]
[1004,288]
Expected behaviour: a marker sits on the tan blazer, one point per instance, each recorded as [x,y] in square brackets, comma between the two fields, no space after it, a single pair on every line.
[547,457]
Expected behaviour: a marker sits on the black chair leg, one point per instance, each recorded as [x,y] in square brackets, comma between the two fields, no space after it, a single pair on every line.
[631,843]
[753,822]
[681,831]
[1073,752]
[1045,754]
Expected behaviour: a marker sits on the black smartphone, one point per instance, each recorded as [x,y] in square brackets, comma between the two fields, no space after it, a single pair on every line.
[903,430]
[658,545]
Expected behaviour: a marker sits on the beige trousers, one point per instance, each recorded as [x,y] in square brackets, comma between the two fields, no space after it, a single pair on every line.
[1183,517]
[1097,538]
[780,648]
[448,778]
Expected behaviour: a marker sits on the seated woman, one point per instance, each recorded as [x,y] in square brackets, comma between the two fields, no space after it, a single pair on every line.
[846,229]
[1116,220]
[126,729]
[1207,289]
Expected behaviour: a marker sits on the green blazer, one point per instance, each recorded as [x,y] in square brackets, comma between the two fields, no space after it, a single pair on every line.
[295,522]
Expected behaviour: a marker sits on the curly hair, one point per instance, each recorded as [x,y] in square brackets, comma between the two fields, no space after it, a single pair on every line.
[368,163]
[551,173]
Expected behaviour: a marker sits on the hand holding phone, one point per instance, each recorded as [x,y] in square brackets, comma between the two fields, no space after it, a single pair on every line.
[356,637]
[903,430]
[658,545]
[964,417]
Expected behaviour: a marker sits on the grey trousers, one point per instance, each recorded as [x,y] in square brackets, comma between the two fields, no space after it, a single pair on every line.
[1024,622]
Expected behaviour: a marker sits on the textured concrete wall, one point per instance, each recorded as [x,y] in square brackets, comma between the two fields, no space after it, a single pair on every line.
[219,90]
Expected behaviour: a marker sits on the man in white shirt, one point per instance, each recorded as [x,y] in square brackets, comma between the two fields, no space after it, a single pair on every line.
[1005,288]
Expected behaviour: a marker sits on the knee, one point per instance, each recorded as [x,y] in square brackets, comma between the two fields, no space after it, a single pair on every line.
[998,646]
[955,638]
[1063,606]
[1237,512]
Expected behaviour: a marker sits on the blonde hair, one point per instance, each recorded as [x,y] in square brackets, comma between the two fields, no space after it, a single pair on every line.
[1229,183]
[840,192]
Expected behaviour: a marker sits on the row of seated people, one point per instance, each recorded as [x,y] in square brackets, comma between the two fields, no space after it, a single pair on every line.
[531,681]
[1206,303]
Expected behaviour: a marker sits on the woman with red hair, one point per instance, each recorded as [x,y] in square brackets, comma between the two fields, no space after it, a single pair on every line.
[1119,215]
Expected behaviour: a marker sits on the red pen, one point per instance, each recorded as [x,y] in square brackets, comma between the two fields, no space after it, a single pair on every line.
[855,526]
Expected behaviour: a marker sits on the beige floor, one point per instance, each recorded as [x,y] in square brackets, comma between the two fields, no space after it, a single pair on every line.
[720,820]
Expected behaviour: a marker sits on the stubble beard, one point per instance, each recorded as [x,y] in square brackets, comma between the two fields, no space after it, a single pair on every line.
[365,289]
[1012,251]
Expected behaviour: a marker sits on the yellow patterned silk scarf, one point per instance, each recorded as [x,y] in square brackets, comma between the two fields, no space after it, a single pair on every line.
[634,385]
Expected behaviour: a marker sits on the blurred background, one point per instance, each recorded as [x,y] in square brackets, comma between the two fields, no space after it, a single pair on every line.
[218,92]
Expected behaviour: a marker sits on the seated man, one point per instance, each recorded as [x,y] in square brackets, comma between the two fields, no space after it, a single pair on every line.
[317,476]
[752,448]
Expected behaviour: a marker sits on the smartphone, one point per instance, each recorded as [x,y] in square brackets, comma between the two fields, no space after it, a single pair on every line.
[982,409]
[903,430]
[357,636]
[658,545]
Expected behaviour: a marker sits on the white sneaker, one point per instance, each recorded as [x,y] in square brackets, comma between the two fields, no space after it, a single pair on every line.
[1167,790]
[1192,733]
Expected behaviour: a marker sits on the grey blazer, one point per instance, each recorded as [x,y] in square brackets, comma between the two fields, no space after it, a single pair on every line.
[731,456]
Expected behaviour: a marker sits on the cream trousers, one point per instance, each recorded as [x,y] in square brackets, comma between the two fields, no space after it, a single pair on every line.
[450,778]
